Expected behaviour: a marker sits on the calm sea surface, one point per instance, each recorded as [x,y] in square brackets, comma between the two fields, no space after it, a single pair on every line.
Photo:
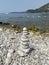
[27,19]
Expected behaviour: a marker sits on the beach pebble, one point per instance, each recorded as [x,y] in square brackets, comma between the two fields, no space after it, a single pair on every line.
[9,48]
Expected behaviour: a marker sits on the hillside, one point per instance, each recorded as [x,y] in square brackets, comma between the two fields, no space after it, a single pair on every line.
[44,8]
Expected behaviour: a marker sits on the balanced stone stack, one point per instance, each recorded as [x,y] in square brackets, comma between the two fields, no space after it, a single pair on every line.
[9,57]
[24,43]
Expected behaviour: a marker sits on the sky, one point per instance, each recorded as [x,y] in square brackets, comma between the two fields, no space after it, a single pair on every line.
[7,6]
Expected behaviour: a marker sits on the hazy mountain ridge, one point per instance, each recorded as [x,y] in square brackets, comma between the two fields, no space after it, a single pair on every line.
[44,8]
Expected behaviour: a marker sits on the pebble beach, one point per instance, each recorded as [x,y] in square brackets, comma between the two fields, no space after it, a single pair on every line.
[10,41]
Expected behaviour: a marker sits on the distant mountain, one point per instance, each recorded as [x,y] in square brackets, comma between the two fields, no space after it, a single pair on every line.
[12,12]
[15,12]
[44,8]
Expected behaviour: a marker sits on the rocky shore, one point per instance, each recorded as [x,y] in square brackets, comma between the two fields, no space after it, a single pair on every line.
[10,42]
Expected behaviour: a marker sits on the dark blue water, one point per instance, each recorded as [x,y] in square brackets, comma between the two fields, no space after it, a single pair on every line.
[27,19]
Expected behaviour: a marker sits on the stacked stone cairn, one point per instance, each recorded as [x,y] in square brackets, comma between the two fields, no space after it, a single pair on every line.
[24,43]
[9,57]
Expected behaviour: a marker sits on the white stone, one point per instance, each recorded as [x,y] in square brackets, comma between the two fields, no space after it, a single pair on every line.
[10,50]
[1,29]
[24,46]
[21,53]
[24,29]
[9,55]
[23,39]
[15,63]
[8,61]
